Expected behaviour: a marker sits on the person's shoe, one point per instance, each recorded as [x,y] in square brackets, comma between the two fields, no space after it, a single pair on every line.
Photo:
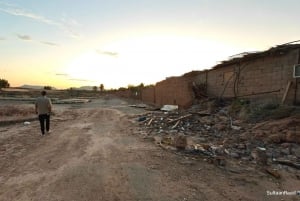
[48,132]
[42,134]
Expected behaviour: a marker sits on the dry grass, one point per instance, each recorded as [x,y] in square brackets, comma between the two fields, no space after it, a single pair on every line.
[15,111]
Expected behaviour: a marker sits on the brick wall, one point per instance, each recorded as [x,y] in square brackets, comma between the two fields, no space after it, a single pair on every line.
[148,95]
[264,78]
[174,91]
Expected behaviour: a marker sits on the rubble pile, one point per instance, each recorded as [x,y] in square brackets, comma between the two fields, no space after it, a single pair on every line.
[219,136]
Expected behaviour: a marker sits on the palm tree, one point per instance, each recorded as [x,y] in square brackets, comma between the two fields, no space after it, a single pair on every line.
[101,87]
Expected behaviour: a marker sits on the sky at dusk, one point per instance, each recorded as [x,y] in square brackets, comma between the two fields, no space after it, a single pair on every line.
[65,43]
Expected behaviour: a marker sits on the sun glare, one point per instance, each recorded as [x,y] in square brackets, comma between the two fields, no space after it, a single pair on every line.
[128,61]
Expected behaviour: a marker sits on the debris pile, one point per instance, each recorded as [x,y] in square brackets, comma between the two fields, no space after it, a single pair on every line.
[218,136]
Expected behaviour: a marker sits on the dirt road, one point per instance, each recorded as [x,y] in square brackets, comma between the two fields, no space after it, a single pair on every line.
[94,154]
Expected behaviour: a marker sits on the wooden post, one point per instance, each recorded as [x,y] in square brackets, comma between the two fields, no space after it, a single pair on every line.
[286,92]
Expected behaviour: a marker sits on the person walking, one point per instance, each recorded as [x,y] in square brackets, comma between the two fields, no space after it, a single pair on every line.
[43,108]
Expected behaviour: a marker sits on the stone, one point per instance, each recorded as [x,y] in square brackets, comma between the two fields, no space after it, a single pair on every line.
[273,172]
[275,138]
[244,136]
[180,142]
[246,158]
[285,151]
[219,161]
[219,150]
[275,130]
[220,127]
[156,139]
[292,136]
[259,134]
[296,151]
[234,155]
[166,140]
[141,119]
[259,156]
[241,146]
[206,146]
[292,157]
[286,145]
[222,118]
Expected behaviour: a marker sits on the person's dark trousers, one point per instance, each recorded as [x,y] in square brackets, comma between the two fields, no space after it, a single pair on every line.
[43,118]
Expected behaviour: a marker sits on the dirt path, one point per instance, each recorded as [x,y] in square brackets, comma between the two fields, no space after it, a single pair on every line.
[93,154]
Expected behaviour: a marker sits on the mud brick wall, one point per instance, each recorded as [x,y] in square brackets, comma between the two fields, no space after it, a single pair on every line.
[264,78]
[174,91]
[148,95]
[201,77]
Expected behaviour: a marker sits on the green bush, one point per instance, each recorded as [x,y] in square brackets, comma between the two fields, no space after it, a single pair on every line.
[270,111]
[4,83]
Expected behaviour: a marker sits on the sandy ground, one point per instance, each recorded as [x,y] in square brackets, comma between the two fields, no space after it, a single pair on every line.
[94,153]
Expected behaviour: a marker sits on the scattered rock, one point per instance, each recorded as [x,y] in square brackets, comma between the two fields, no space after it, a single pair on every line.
[241,146]
[220,127]
[260,156]
[26,123]
[219,161]
[286,145]
[166,140]
[140,119]
[234,155]
[273,172]
[275,130]
[286,151]
[180,142]
[296,151]
[217,149]
[259,134]
[275,138]
[245,136]
[213,133]
[288,163]
[293,136]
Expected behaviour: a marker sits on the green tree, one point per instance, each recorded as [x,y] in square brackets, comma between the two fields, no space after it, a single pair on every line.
[101,87]
[47,87]
[4,83]
[142,85]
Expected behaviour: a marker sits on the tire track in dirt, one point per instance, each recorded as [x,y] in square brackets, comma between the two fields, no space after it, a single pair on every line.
[83,159]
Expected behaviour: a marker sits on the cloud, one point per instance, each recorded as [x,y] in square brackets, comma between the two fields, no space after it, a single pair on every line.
[2,38]
[72,33]
[62,74]
[21,12]
[69,21]
[49,43]
[24,37]
[80,80]
[28,38]
[7,4]
[108,53]
[64,24]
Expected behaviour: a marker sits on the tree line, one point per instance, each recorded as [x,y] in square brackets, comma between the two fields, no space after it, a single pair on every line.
[4,83]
